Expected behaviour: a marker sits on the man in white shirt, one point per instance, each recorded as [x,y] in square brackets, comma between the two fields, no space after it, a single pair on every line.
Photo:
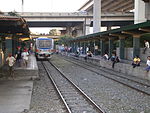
[11,61]
[25,55]
[146,46]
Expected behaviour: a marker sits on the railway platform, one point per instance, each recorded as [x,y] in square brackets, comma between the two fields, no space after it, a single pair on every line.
[15,94]
[124,66]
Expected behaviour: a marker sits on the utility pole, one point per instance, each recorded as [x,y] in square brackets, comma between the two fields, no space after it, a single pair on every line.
[22,5]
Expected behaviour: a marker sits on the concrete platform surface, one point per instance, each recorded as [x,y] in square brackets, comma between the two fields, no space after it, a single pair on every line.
[15,95]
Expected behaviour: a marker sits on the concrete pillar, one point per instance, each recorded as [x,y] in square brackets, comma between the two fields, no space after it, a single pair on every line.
[139,14]
[136,46]
[68,30]
[102,47]
[97,16]
[9,45]
[73,47]
[110,46]
[86,28]
[84,47]
[122,47]
[108,28]
[147,10]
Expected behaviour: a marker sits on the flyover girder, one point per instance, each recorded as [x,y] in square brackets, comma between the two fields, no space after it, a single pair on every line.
[119,5]
[124,6]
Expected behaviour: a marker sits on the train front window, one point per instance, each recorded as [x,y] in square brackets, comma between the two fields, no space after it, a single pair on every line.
[44,43]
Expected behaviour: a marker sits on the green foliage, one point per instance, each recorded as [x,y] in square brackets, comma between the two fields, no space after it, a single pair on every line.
[13,14]
[63,40]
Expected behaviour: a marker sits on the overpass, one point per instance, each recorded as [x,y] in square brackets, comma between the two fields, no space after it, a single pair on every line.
[46,36]
[74,21]
[109,6]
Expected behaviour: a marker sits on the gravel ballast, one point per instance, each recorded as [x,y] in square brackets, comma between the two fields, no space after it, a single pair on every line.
[111,96]
[44,97]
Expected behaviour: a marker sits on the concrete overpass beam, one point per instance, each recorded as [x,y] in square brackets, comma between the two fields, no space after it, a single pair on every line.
[97,16]
[139,14]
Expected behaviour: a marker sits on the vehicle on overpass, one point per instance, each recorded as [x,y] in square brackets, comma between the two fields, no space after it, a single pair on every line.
[44,48]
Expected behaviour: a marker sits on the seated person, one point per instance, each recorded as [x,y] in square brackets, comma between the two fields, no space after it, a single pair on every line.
[105,57]
[136,61]
[89,54]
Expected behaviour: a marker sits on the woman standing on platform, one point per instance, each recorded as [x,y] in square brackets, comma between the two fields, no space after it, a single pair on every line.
[25,55]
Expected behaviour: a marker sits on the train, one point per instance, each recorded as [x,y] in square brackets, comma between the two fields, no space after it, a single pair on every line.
[44,48]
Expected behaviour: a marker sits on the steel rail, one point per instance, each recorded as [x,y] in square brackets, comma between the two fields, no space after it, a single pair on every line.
[109,77]
[100,110]
[50,77]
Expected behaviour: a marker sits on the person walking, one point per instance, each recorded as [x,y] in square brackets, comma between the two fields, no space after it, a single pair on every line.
[24,56]
[10,61]
[18,56]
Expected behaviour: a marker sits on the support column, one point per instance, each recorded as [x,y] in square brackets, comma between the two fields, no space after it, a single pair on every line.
[136,46]
[73,47]
[9,45]
[139,14]
[102,47]
[147,10]
[84,48]
[122,47]
[97,16]
[110,46]
[86,27]
[68,30]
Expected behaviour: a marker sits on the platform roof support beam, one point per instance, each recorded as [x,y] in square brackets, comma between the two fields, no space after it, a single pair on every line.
[102,47]
[136,46]
[139,14]
[122,47]
[9,45]
[97,16]
[110,46]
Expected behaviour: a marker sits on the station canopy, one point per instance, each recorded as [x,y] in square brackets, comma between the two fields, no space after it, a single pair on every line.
[130,30]
[13,25]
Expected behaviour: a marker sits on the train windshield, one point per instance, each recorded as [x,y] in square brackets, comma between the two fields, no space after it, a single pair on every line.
[45,43]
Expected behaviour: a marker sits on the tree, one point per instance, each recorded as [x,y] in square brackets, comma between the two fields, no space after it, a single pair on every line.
[63,40]
[54,32]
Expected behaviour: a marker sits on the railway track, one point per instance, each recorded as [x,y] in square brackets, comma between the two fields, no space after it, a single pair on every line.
[74,99]
[129,82]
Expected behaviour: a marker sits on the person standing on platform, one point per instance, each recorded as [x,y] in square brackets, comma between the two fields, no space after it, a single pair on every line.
[148,64]
[10,61]
[18,56]
[24,56]
[146,46]
[114,58]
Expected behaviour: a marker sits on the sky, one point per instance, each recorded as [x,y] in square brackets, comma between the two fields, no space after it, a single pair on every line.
[41,6]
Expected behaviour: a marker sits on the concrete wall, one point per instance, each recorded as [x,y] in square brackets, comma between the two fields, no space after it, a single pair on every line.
[129,54]
[125,68]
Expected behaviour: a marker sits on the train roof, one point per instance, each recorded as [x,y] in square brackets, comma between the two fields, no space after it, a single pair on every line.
[43,38]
